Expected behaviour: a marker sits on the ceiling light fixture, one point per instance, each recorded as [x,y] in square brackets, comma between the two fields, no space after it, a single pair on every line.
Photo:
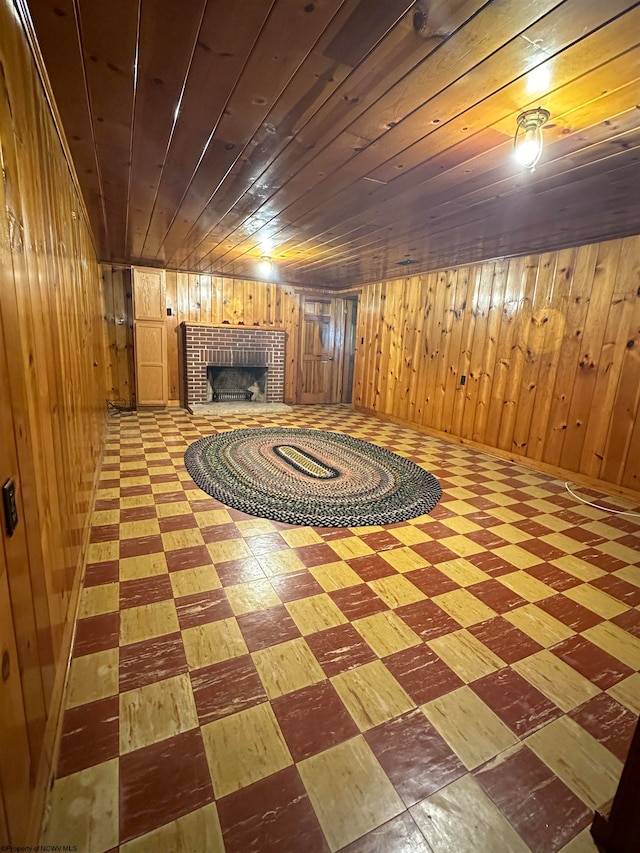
[528,139]
[265,267]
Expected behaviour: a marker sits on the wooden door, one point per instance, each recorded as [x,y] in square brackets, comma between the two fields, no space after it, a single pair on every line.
[317,350]
[149,306]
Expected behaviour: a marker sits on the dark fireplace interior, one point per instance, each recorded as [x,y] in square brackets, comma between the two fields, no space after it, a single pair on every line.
[232,384]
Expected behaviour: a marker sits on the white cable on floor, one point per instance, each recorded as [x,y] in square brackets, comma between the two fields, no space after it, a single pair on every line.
[597,506]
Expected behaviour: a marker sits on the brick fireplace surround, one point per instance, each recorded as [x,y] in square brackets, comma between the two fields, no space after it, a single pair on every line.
[231,346]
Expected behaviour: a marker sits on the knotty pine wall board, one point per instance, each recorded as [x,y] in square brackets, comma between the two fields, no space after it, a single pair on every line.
[549,345]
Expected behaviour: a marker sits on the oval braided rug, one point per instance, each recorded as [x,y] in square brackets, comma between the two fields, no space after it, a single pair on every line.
[310,477]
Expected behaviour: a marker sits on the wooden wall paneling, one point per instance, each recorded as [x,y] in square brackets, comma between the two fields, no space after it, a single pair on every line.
[551,319]
[579,297]
[466,343]
[433,342]
[453,388]
[175,392]
[392,354]
[480,308]
[627,399]
[408,334]
[592,340]
[428,285]
[4,826]
[486,375]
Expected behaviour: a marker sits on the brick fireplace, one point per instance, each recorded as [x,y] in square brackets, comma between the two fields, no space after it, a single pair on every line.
[235,347]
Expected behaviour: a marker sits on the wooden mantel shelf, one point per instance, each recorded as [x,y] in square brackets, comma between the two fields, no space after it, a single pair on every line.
[266,327]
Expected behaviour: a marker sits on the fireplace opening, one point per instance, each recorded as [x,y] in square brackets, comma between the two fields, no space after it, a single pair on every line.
[231,384]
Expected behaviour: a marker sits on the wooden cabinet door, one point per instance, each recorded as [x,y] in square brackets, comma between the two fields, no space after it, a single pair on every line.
[317,350]
[150,336]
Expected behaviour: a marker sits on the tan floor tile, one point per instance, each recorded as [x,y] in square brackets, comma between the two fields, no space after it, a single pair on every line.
[133,529]
[548,519]
[582,843]
[280,563]
[255,527]
[627,692]
[84,809]
[101,552]
[139,481]
[462,819]
[147,621]
[105,516]
[155,712]
[517,556]
[583,764]
[462,545]
[512,534]
[350,547]
[564,543]
[166,510]
[460,507]
[462,572]
[213,517]
[144,566]
[163,488]
[631,574]
[617,642]
[386,633]
[287,667]
[370,528]
[371,694]
[464,607]
[92,677]
[177,539]
[470,728]
[190,581]
[403,559]
[301,536]
[397,591]
[409,535]
[95,600]
[213,642]
[467,656]
[316,613]
[539,625]
[619,551]
[337,575]
[605,530]
[597,600]
[228,549]
[557,680]
[461,525]
[251,596]
[578,568]
[243,748]
[349,791]
[107,494]
[196,831]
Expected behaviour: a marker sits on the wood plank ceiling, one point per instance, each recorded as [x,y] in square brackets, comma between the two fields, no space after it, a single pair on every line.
[344,137]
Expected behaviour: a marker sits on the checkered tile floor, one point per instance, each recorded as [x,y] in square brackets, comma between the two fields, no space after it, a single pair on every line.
[465,681]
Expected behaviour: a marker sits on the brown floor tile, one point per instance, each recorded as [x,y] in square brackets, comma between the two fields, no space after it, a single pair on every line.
[518,704]
[220,532]
[100,573]
[504,639]
[266,544]
[427,620]
[629,621]
[569,612]
[96,633]
[202,607]
[145,591]
[431,581]
[358,601]
[296,585]
[618,588]
[339,649]
[177,522]
[313,719]
[371,567]
[602,561]
[422,674]
[608,722]
[267,627]
[491,563]
[90,735]
[414,756]
[496,595]
[553,576]
[273,815]
[226,688]
[591,661]
[137,513]
[315,555]
[188,558]
[162,782]
[141,545]
[151,660]
[104,533]
[232,572]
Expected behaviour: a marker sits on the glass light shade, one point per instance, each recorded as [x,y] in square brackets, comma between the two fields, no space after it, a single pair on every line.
[528,139]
